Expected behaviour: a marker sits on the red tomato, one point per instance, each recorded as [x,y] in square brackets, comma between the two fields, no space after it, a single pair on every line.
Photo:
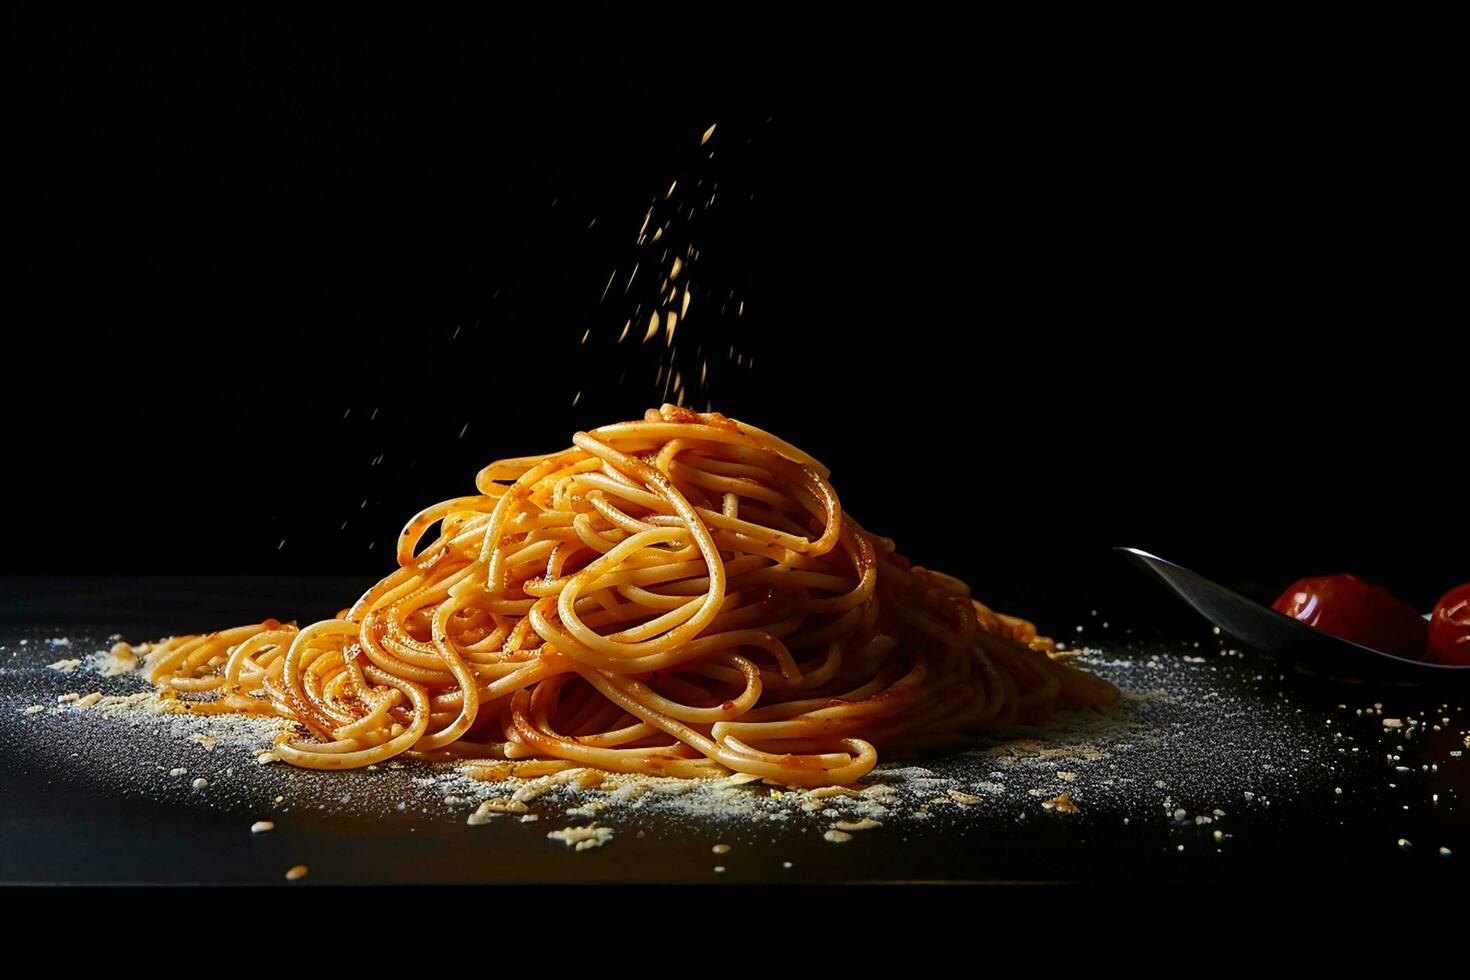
[1449,627]
[1346,606]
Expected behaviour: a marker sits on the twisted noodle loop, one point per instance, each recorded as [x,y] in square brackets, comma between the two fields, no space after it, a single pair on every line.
[678,596]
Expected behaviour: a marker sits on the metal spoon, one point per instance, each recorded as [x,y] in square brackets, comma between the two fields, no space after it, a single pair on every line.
[1266,629]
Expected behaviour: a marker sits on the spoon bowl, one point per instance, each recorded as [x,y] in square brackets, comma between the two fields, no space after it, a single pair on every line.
[1266,629]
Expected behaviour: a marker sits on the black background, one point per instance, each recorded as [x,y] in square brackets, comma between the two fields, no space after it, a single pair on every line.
[1030,289]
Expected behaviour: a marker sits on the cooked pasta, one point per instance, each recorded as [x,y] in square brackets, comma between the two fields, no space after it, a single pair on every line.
[681,595]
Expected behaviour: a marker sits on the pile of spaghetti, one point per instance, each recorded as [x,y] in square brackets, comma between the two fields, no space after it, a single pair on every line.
[679,596]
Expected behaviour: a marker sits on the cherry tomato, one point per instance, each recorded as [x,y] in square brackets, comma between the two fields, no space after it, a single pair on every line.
[1346,606]
[1449,627]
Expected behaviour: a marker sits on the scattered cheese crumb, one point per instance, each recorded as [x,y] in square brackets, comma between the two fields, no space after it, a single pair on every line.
[545,784]
[262,826]
[587,809]
[1068,776]
[297,873]
[121,659]
[65,666]
[1393,723]
[491,808]
[721,849]
[178,771]
[88,701]
[1062,803]
[582,838]
[965,798]
[200,783]
[34,709]
[837,836]
[206,742]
